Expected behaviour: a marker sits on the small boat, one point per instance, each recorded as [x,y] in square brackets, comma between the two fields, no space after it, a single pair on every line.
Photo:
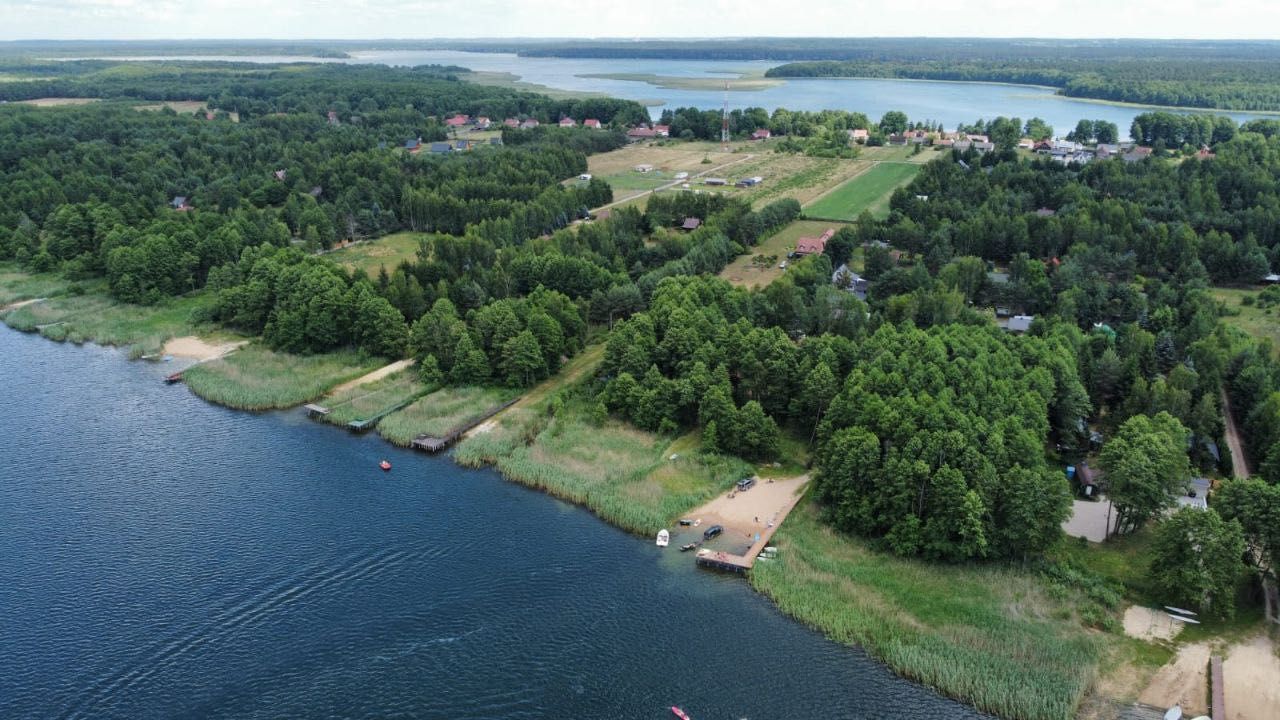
[1174,713]
[679,713]
[664,537]
[688,546]
[384,465]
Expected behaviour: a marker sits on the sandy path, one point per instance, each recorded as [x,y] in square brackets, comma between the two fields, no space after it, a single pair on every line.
[1239,465]
[376,375]
[20,303]
[1184,681]
[194,348]
[1251,680]
[1147,624]
[751,511]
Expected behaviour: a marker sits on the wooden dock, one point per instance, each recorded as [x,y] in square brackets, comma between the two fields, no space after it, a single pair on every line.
[1217,693]
[729,562]
[315,411]
[438,443]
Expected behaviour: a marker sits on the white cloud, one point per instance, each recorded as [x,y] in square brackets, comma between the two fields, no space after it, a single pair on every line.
[363,19]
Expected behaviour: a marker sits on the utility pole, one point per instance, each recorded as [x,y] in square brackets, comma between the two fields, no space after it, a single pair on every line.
[724,120]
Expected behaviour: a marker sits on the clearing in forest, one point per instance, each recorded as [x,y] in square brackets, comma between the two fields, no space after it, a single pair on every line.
[373,255]
[760,265]
[1259,321]
[869,191]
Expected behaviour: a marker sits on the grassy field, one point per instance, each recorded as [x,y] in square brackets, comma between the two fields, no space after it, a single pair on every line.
[255,378]
[58,101]
[95,317]
[388,252]
[17,285]
[995,637]
[869,191]
[371,399]
[743,272]
[440,412]
[1262,323]
[745,81]
[183,107]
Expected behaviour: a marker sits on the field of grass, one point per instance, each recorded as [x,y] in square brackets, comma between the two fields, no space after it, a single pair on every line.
[255,378]
[992,636]
[17,285]
[745,81]
[869,191]
[58,101]
[440,412]
[95,317]
[1262,323]
[364,402]
[744,273]
[388,252]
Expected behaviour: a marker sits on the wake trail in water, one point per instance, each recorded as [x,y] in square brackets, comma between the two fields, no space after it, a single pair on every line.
[235,617]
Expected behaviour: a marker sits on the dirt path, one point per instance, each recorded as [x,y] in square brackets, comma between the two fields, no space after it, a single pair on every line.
[1184,681]
[673,183]
[1251,680]
[20,303]
[1239,465]
[194,348]
[374,376]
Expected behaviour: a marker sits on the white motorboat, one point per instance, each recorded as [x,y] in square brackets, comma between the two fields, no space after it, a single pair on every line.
[664,537]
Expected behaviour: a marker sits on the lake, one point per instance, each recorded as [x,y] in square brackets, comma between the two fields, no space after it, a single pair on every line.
[162,557]
[946,102]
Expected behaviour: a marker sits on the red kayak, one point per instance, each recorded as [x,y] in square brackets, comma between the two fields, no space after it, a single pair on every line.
[384,465]
[679,713]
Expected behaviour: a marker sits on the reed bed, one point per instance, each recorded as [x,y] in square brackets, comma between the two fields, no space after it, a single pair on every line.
[17,285]
[255,378]
[440,412]
[988,635]
[95,317]
[372,399]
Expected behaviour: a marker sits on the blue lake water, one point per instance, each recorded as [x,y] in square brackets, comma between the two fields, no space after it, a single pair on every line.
[164,558]
[946,102]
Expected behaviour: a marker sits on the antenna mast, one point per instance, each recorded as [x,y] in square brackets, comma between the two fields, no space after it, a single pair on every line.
[724,119]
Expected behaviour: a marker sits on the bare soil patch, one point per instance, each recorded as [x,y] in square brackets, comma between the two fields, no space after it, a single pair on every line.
[374,376]
[195,348]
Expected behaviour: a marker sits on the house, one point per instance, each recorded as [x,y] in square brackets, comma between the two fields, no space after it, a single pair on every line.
[483,123]
[413,146]
[529,124]
[984,146]
[641,133]
[859,135]
[1136,154]
[1020,323]
[511,123]
[1026,144]
[440,148]
[458,121]
[846,279]
[1106,151]
[568,122]
[662,130]
[591,123]
[749,182]
[761,134]
[585,177]
[691,223]
[333,118]
[280,175]
[814,246]
[1043,146]
[902,140]
[977,138]
[180,203]
[715,181]
[1205,153]
[644,168]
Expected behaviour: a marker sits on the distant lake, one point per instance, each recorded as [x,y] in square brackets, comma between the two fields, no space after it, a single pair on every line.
[947,102]
[161,557]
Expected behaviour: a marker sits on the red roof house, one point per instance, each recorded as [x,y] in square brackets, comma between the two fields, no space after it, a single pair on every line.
[814,246]
[641,133]
[568,122]
[483,122]
[662,130]
[761,134]
[511,123]
[592,123]
[458,121]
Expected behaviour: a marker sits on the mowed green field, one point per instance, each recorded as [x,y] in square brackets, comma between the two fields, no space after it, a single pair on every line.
[387,252]
[869,191]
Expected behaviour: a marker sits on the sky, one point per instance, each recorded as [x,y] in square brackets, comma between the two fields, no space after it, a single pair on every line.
[370,19]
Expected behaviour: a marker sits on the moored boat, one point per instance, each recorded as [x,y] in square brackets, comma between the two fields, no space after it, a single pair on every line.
[679,713]
[384,465]
[688,546]
[664,537]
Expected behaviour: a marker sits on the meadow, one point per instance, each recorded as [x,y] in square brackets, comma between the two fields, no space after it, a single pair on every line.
[440,412]
[371,256]
[1260,322]
[256,378]
[869,191]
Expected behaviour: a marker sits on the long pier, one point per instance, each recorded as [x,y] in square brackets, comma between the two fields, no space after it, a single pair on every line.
[437,443]
[729,562]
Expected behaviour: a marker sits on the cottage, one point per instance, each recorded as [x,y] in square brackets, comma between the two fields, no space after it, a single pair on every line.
[511,123]
[662,130]
[691,223]
[644,168]
[529,124]
[440,148]
[568,122]
[1020,323]
[413,145]
[180,203]
[850,281]
[458,121]
[761,134]
[280,175]
[333,118]
[813,246]
[1136,154]
[859,135]
[591,123]
[1205,153]
[483,123]
[641,133]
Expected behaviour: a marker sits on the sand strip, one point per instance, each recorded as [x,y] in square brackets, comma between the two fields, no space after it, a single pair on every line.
[374,376]
[193,348]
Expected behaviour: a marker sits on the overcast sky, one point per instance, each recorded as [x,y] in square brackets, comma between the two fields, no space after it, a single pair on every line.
[364,19]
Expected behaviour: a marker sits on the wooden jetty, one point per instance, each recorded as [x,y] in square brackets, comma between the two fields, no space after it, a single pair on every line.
[1217,693]
[315,411]
[730,562]
[435,444]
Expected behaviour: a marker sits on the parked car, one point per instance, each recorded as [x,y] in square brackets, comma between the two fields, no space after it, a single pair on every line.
[712,531]
[746,483]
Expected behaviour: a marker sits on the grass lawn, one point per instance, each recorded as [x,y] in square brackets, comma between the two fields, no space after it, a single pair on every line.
[95,317]
[744,272]
[869,191]
[255,378]
[364,402]
[991,635]
[440,412]
[1262,323]
[388,252]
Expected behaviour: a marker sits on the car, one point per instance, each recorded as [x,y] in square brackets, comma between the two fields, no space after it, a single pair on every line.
[746,483]
[712,531]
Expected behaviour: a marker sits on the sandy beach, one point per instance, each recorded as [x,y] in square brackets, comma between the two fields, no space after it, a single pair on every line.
[743,514]
[194,348]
